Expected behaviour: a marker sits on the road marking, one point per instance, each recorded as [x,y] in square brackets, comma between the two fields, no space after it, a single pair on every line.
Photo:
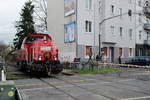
[34,89]
[25,85]
[76,81]
[88,84]
[73,81]
[137,98]
[55,83]
[126,80]
[61,82]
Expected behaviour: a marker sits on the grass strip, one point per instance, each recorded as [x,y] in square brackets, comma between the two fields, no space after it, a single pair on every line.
[97,71]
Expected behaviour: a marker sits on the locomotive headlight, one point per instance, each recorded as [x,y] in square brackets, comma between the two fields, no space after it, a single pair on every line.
[55,58]
[45,41]
[40,57]
[1,89]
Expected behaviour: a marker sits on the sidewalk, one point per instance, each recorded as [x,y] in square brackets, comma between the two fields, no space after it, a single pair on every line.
[67,72]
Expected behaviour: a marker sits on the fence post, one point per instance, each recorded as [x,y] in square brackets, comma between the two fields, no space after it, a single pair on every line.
[3,76]
[2,72]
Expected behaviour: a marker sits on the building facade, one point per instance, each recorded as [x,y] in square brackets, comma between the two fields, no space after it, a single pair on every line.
[142,28]
[81,27]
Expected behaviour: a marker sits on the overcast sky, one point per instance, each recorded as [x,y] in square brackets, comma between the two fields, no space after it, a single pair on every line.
[9,13]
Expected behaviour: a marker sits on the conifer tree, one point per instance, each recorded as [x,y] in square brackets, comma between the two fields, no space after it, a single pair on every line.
[25,25]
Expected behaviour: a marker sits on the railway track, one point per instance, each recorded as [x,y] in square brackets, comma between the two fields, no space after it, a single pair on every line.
[90,91]
[79,87]
[73,84]
[55,87]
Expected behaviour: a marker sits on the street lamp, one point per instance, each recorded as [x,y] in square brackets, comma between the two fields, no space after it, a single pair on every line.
[100,24]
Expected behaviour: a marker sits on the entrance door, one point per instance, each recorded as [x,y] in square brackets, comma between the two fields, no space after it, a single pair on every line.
[111,54]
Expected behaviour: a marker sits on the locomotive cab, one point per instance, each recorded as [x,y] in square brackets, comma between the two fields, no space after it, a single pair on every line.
[39,53]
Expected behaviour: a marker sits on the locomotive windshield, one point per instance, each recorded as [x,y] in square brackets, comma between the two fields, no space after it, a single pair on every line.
[35,38]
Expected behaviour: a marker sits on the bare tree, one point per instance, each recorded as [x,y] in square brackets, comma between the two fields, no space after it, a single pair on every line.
[3,49]
[40,15]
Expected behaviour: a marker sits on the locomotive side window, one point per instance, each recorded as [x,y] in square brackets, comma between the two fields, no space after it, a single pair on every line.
[38,38]
[28,40]
[31,39]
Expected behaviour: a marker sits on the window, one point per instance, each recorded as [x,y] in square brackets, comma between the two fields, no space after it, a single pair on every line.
[112,29]
[100,6]
[88,26]
[130,14]
[140,20]
[88,50]
[147,35]
[140,36]
[34,38]
[112,9]
[105,49]
[88,4]
[140,51]
[120,51]
[130,52]
[147,20]
[121,31]
[120,12]
[130,33]
[147,3]
[139,3]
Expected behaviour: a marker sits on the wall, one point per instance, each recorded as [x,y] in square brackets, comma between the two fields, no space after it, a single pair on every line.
[56,22]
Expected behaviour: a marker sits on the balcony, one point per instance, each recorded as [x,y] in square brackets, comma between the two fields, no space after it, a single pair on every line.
[146,11]
[147,26]
[147,42]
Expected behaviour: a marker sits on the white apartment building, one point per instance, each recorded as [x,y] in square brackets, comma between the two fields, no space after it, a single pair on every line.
[142,28]
[75,26]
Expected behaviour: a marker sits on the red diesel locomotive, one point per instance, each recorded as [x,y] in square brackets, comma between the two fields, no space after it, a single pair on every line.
[38,53]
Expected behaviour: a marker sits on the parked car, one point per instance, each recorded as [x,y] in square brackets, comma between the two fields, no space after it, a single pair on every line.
[139,60]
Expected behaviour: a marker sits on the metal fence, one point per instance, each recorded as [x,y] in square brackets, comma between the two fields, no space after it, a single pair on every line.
[98,65]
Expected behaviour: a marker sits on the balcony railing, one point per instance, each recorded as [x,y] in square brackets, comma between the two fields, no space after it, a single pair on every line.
[147,42]
[146,26]
[146,11]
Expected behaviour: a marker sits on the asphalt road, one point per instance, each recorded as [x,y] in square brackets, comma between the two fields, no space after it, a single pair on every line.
[122,86]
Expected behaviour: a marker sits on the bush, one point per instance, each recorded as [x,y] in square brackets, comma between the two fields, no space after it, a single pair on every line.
[66,65]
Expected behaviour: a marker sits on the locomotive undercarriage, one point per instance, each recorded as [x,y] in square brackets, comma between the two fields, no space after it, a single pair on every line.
[42,67]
